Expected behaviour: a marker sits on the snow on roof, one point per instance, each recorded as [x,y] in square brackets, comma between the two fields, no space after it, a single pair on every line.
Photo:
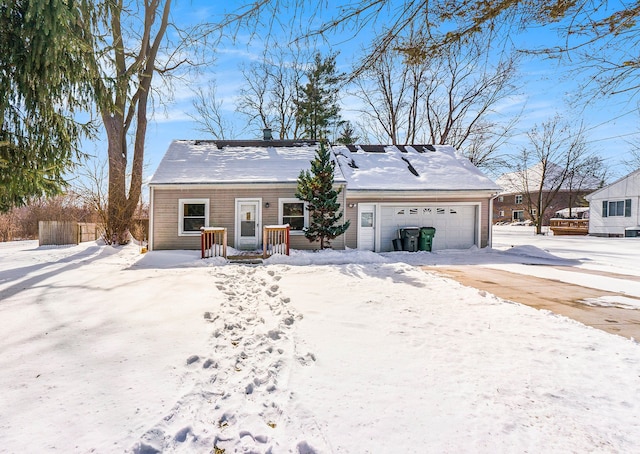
[415,167]
[202,162]
[363,167]
[529,180]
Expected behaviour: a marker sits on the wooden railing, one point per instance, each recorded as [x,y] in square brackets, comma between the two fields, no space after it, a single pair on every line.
[213,242]
[275,240]
[569,226]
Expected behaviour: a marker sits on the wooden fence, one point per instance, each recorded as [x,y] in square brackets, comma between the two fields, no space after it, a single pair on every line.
[57,232]
[66,232]
[275,240]
[213,242]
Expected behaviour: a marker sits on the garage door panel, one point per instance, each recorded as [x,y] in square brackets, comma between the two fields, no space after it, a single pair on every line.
[455,225]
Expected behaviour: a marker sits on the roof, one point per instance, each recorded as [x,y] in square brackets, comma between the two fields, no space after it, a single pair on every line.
[515,182]
[362,167]
[409,168]
[633,175]
[235,161]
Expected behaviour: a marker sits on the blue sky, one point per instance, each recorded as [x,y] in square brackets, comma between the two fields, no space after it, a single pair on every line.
[610,123]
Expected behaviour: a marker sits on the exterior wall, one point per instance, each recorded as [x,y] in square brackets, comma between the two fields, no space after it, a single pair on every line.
[508,205]
[627,188]
[351,212]
[222,205]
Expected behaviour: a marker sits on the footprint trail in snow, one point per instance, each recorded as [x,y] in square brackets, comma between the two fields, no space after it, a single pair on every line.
[239,400]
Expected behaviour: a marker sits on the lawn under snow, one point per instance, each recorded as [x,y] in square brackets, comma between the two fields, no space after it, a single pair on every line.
[106,350]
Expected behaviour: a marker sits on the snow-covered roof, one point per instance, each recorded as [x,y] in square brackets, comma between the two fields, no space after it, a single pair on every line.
[204,162]
[363,167]
[529,180]
[407,168]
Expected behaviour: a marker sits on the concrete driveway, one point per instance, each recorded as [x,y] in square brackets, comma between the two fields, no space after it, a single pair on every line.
[553,295]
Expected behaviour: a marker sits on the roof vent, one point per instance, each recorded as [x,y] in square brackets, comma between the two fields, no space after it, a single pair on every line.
[266,134]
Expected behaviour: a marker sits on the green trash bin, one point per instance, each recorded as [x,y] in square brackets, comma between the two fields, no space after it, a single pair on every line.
[425,241]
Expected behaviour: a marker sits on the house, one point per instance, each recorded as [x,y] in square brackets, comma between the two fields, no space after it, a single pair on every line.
[615,209]
[520,190]
[243,185]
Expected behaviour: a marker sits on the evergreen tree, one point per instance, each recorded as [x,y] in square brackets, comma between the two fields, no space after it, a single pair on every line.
[347,134]
[317,104]
[43,81]
[316,188]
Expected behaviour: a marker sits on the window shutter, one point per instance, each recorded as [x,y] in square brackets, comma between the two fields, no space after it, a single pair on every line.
[605,205]
[627,208]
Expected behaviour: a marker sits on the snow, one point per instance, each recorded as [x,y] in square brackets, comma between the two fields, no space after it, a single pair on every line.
[192,162]
[108,350]
[390,170]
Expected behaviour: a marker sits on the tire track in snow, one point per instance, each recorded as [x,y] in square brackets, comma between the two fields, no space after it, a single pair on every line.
[239,400]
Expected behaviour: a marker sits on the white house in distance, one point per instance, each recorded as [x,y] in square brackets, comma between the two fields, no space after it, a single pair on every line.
[615,209]
[242,185]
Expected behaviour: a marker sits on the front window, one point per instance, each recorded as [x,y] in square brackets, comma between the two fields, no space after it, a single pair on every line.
[518,215]
[518,199]
[193,214]
[293,212]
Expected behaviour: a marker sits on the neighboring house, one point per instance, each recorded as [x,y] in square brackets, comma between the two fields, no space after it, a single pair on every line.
[512,204]
[615,209]
[244,185]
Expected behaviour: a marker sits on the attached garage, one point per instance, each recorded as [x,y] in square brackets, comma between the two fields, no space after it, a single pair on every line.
[393,187]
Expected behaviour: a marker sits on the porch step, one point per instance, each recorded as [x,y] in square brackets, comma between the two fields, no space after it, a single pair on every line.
[245,259]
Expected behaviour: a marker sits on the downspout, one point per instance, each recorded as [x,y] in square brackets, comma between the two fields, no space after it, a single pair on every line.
[151,211]
[344,216]
[490,238]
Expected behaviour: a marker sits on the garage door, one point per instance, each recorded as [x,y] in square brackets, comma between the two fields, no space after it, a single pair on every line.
[455,224]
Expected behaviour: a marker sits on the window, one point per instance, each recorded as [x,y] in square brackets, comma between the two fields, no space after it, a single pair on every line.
[534,212]
[501,213]
[518,199]
[194,213]
[518,215]
[616,208]
[293,212]
[501,199]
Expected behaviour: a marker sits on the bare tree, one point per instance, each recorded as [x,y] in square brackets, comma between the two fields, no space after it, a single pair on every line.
[555,159]
[270,88]
[127,44]
[449,99]
[385,90]
[92,188]
[210,117]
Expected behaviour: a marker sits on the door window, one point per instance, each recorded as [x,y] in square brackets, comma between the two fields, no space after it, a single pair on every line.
[248,220]
[366,219]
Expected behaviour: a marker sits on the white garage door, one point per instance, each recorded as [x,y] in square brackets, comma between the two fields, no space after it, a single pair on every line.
[455,224]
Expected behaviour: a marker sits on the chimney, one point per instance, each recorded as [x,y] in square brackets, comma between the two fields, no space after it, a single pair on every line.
[266,132]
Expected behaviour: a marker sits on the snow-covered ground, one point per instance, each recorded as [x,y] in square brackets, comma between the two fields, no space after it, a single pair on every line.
[107,350]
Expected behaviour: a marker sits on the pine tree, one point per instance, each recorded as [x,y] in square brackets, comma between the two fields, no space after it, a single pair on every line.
[347,134]
[316,188]
[43,83]
[317,104]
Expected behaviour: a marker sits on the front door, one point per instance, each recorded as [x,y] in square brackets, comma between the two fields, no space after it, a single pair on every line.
[248,220]
[367,227]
